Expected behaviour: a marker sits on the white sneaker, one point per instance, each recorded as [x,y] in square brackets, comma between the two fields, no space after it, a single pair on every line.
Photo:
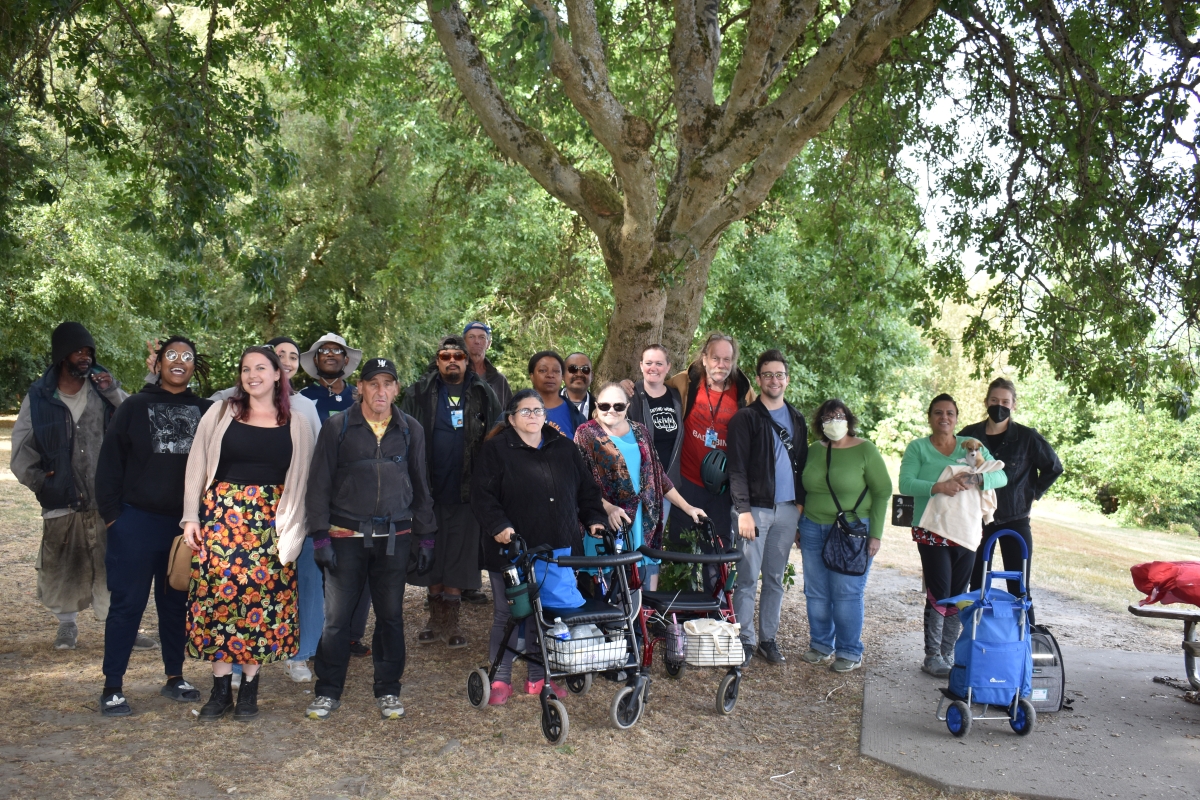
[298,671]
[390,707]
[321,707]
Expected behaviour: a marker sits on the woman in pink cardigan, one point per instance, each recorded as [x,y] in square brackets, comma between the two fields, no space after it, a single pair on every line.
[243,514]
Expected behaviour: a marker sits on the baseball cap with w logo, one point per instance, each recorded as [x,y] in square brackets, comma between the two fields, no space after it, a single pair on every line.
[374,366]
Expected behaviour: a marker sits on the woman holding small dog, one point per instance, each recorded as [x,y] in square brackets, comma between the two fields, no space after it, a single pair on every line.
[945,564]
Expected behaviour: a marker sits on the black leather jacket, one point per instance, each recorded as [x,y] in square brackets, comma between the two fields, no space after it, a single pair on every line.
[751,455]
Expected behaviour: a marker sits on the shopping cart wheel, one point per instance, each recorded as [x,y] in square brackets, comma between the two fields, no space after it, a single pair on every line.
[958,718]
[579,684]
[626,708]
[479,690]
[1024,719]
[727,693]
[555,724]
[674,670]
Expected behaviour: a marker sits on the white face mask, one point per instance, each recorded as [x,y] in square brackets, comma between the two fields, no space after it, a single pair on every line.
[836,430]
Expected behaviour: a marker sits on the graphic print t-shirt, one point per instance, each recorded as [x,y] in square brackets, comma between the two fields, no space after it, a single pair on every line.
[664,425]
[711,410]
[560,419]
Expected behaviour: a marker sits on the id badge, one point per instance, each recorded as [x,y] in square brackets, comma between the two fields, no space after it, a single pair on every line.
[456,418]
[710,438]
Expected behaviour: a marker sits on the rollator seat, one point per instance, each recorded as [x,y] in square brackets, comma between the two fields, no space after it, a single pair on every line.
[594,611]
[684,602]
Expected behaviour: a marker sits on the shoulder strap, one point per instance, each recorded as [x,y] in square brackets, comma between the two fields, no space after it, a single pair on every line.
[833,494]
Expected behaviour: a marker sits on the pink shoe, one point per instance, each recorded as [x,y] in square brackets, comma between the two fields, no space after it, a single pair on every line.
[536,688]
[501,691]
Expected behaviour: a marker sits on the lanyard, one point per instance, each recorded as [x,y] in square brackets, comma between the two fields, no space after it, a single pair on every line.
[708,399]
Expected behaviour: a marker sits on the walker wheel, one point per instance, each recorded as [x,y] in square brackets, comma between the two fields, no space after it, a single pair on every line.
[958,718]
[626,709]
[1024,719]
[727,693]
[555,724]
[674,671]
[479,690]
[579,684]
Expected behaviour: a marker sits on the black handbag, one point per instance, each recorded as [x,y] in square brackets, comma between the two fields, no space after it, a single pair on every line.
[845,550]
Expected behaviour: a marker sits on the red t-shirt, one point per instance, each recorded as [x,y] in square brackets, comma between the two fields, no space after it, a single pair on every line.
[711,410]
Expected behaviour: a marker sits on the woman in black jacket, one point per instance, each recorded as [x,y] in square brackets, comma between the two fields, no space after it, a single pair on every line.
[530,480]
[1031,465]
[139,492]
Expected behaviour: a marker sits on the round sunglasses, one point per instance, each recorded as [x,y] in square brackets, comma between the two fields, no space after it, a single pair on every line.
[617,407]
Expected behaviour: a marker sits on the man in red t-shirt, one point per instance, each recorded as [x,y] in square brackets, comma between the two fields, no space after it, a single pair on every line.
[712,389]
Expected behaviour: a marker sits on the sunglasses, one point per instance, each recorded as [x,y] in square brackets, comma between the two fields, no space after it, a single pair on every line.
[618,407]
[452,355]
[175,355]
[576,370]
[331,351]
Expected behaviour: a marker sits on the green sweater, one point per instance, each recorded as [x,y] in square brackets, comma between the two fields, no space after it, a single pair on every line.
[922,465]
[850,470]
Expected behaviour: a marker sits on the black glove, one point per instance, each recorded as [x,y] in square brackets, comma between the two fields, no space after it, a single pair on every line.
[425,557]
[323,554]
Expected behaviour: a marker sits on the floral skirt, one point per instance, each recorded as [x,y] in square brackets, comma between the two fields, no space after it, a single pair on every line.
[242,600]
[922,536]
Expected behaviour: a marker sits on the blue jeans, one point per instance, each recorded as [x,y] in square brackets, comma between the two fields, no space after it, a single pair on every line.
[312,601]
[835,601]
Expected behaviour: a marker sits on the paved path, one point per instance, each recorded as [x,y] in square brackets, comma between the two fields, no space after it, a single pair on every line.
[1127,737]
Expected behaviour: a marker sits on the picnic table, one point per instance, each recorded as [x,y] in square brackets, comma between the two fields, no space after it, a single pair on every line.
[1191,647]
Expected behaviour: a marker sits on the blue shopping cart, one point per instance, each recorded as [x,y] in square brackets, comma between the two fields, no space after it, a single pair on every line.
[993,658]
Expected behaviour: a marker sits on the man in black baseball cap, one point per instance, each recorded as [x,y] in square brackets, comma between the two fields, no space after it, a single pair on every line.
[55,450]
[456,407]
[368,495]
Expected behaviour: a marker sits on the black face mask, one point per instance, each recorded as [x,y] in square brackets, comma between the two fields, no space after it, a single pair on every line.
[999,413]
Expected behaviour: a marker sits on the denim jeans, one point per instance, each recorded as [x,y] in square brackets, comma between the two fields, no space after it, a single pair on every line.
[768,555]
[343,588]
[312,601]
[835,601]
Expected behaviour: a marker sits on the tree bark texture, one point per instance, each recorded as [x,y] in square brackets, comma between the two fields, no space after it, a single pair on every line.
[659,249]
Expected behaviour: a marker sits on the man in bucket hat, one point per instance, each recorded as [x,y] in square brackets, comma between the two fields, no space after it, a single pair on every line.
[330,361]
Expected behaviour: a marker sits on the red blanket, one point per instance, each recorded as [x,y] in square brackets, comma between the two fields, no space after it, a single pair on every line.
[1168,581]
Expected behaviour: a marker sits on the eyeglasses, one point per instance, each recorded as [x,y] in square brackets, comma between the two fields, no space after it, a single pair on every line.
[617,407]
[577,370]
[175,355]
[833,417]
[331,351]
[452,355]
[531,412]
[779,376]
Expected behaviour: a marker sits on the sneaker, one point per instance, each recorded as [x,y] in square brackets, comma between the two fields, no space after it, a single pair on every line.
[67,637]
[390,707]
[845,665]
[113,704]
[748,649]
[769,651]
[935,666]
[359,649]
[813,656]
[321,707]
[475,597]
[298,670]
[144,642]
[179,690]
[501,691]
[535,687]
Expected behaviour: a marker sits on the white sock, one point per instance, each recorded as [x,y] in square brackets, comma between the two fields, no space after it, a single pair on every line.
[68,618]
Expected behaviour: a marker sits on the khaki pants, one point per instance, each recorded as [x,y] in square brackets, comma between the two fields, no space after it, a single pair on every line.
[70,564]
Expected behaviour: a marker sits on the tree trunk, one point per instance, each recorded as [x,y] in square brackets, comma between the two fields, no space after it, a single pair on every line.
[636,321]
[685,302]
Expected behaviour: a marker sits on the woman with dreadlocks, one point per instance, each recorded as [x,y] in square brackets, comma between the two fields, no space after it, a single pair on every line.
[139,491]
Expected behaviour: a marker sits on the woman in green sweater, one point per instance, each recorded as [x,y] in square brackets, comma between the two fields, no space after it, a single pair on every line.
[946,565]
[835,601]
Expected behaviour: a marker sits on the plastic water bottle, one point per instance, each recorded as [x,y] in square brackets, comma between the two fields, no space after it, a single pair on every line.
[560,630]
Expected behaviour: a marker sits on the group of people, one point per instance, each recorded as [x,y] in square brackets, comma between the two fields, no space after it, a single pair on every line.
[304,509]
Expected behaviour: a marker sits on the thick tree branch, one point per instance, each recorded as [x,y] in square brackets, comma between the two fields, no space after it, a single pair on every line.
[773,28]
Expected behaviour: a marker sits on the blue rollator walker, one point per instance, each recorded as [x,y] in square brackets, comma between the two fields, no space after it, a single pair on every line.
[993,659]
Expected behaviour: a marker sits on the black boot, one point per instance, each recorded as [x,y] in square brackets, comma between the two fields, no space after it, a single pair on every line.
[247,702]
[220,701]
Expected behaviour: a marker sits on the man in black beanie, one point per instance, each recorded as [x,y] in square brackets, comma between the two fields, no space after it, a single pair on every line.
[55,448]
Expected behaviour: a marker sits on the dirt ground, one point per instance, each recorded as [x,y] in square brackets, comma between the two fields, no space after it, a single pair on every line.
[794,732]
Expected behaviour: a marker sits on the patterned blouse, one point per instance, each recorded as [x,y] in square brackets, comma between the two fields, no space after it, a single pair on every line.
[608,468]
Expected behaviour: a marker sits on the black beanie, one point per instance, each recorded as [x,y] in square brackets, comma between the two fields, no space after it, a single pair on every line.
[67,338]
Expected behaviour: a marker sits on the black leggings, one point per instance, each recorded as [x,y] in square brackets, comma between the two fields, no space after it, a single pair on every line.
[947,569]
[1009,549]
